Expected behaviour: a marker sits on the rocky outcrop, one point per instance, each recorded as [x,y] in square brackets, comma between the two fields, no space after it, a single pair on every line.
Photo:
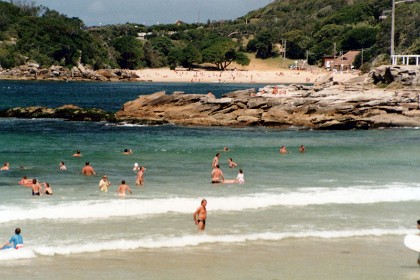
[32,71]
[404,75]
[67,112]
[326,105]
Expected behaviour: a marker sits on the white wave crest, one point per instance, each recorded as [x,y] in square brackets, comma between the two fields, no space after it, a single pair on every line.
[101,209]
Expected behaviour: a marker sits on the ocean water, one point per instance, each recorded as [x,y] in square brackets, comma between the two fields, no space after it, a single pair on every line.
[347,184]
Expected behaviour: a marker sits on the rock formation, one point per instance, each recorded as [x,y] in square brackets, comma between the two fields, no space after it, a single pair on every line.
[32,71]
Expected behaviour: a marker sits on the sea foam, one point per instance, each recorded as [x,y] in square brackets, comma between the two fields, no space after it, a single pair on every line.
[101,209]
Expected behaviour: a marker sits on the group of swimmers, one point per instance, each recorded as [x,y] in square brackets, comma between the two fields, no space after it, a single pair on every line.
[39,189]
[217,176]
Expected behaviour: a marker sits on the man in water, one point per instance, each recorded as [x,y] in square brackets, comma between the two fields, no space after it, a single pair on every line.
[36,187]
[215,160]
[217,175]
[16,240]
[123,188]
[200,215]
[104,184]
[88,170]
[25,182]
[140,176]
[283,150]
[5,166]
[302,149]
[77,154]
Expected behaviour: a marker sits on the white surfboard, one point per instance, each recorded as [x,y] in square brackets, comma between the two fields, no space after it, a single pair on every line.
[412,242]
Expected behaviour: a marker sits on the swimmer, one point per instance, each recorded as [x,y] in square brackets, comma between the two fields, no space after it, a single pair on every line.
[104,184]
[215,160]
[47,189]
[16,241]
[36,188]
[62,166]
[302,149]
[232,164]
[283,150]
[5,166]
[123,188]
[136,167]
[77,154]
[25,181]
[217,175]
[127,152]
[140,176]
[88,170]
[239,179]
[200,215]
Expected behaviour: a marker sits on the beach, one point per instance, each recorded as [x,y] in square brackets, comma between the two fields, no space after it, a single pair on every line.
[242,76]
[355,258]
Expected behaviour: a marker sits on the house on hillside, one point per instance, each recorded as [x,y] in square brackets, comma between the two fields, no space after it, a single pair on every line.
[343,62]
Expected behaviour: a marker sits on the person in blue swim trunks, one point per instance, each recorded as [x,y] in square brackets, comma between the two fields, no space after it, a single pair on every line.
[16,241]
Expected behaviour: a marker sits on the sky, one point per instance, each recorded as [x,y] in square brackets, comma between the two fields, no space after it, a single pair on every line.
[150,12]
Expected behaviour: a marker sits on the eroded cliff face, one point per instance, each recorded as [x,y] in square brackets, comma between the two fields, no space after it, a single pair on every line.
[327,105]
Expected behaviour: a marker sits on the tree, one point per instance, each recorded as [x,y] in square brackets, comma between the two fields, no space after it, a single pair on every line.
[222,52]
[359,37]
[129,52]
[262,45]
[190,55]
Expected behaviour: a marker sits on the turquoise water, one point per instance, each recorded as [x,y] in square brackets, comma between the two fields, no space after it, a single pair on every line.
[346,184]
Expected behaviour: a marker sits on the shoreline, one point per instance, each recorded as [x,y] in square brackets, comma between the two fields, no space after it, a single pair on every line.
[349,258]
[279,76]
[162,75]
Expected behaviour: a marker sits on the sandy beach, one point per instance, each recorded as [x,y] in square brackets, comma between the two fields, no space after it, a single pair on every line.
[245,76]
[355,258]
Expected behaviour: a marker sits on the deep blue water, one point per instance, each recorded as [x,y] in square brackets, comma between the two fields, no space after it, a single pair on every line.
[107,96]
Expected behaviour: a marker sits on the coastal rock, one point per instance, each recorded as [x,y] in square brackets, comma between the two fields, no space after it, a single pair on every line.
[339,106]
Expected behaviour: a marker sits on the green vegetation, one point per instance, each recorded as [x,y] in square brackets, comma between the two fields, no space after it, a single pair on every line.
[310,28]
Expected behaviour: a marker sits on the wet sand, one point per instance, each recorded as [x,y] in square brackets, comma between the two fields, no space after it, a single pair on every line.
[356,258]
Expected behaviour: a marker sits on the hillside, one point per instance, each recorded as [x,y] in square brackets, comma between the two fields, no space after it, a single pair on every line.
[309,28]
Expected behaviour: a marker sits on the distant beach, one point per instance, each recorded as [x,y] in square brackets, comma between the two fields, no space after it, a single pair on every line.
[245,76]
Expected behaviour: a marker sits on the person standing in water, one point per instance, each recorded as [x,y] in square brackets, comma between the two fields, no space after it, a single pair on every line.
[123,188]
[200,215]
[104,184]
[215,160]
[16,241]
[88,170]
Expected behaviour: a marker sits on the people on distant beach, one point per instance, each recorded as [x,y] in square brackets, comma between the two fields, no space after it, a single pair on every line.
[302,149]
[104,184]
[47,189]
[283,150]
[62,166]
[77,154]
[128,151]
[36,187]
[217,175]
[200,215]
[136,167]
[140,176]
[88,170]
[16,241]
[215,160]
[232,164]
[25,181]
[123,188]
[5,166]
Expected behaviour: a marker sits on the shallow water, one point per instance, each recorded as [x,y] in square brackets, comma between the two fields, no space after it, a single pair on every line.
[347,184]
